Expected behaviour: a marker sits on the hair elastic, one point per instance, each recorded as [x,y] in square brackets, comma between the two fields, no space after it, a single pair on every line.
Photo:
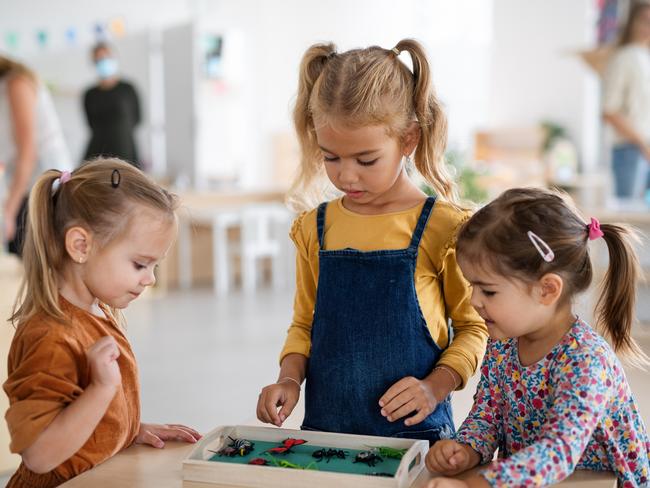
[396,51]
[594,229]
[64,178]
[546,253]
[116,177]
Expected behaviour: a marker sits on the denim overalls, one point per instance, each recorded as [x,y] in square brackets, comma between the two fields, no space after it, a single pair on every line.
[368,333]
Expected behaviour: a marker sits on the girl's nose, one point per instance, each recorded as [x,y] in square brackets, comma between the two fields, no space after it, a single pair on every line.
[348,173]
[149,279]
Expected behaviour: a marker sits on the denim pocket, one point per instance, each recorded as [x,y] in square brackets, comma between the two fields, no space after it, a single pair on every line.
[431,435]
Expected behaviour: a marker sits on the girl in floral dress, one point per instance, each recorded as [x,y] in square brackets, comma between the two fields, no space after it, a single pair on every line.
[553,396]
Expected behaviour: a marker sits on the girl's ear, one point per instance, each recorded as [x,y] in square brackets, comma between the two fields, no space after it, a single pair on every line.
[550,286]
[411,138]
[78,244]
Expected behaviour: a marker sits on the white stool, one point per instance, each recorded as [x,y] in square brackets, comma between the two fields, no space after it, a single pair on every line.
[264,234]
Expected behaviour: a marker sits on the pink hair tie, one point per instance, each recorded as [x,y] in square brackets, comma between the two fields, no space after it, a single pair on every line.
[64,178]
[594,229]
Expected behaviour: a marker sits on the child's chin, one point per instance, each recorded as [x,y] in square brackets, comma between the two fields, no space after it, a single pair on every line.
[496,334]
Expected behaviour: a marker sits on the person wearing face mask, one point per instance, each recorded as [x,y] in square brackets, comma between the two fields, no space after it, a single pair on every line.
[112,110]
[626,104]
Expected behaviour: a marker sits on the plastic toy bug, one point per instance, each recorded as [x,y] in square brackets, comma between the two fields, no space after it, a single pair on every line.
[258,462]
[388,452]
[329,454]
[236,447]
[283,463]
[368,457]
[287,444]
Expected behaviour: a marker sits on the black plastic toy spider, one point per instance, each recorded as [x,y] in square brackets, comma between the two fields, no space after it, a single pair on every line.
[368,457]
[329,454]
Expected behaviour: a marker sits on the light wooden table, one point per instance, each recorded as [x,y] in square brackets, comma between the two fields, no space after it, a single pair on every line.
[146,467]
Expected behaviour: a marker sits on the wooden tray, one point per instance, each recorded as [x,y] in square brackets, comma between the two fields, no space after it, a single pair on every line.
[198,468]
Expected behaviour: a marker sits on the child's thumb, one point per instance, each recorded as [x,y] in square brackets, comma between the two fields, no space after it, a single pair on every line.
[287,408]
[458,457]
[449,450]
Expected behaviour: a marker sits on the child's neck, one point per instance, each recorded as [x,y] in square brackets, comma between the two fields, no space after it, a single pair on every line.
[73,289]
[534,346]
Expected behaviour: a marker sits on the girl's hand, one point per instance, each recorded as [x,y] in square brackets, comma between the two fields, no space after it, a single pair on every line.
[102,358]
[406,396]
[446,483]
[156,434]
[283,394]
[449,457]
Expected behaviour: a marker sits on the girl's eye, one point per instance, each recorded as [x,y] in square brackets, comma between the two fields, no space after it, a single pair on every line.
[367,163]
[489,293]
[330,158]
[138,266]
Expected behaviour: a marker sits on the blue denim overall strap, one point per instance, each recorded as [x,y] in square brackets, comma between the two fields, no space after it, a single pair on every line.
[368,332]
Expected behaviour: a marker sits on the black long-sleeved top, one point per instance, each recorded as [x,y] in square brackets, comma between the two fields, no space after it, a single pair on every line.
[112,115]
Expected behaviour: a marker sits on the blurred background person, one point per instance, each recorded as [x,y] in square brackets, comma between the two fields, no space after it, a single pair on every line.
[31,141]
[626,104]
[112,110]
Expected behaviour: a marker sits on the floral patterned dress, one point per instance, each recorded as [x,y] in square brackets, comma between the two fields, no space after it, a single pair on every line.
[571,410]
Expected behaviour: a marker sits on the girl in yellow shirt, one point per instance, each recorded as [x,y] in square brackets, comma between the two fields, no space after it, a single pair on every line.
[377,279]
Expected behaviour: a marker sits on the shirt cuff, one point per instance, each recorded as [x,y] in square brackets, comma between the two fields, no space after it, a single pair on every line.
[459,364]
[303,348]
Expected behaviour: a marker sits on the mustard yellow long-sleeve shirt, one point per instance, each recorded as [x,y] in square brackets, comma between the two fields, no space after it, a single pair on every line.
[440,286]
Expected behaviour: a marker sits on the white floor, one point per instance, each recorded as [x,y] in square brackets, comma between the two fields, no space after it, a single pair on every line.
[204,360]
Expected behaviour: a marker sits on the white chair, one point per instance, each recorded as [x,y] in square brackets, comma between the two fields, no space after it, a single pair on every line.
[264,234]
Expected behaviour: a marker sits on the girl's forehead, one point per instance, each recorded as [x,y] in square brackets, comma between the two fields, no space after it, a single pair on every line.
[340,134]
[476,270]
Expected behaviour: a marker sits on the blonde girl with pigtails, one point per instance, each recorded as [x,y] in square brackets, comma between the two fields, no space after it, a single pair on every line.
[94,238]
[379,294]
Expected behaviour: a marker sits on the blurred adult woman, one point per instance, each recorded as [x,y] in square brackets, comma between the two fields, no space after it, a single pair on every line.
[31,141]
[626,103]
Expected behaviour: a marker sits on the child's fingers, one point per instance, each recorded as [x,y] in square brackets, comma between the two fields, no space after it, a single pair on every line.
[449,450]
[262,413]
[152,439]
[396,403]
[438,458]
[180,435]
[430,461]
[459,459]
[287,408]
[417,418]
[403,411]
[194,433]
[394,391]
[273,399]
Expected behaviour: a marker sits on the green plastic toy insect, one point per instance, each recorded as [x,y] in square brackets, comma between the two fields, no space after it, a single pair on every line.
[389,452]
[283,463]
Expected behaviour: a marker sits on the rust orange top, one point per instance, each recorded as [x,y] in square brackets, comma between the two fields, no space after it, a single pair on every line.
[47,371]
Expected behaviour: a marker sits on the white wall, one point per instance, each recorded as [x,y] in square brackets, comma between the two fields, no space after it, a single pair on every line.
[456,34]
[495,62]
[536,74]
